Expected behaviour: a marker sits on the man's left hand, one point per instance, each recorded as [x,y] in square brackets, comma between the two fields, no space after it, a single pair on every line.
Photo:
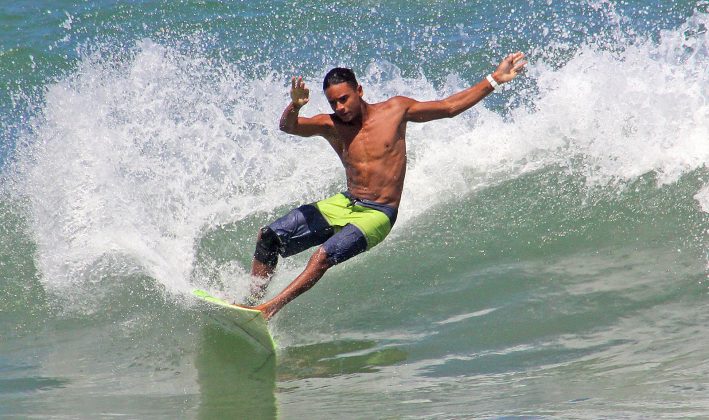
[509,68]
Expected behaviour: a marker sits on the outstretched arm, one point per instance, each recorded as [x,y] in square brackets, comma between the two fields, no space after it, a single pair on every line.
[291,123]
[507,70]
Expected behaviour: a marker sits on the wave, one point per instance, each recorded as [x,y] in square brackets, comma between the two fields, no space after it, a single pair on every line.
[162,163]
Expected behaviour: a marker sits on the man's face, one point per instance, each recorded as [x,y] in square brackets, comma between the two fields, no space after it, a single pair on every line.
[345,101]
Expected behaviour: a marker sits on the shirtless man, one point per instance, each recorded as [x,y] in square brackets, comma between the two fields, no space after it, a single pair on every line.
[370,141]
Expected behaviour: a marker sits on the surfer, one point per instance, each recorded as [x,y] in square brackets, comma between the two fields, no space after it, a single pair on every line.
[369,138]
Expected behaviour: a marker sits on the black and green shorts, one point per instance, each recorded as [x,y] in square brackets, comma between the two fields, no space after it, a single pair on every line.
[343,224]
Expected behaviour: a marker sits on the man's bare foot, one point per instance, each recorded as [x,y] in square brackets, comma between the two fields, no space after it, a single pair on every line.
[265,310]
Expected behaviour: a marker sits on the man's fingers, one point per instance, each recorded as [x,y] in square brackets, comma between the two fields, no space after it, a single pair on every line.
[297,82]
[516,61]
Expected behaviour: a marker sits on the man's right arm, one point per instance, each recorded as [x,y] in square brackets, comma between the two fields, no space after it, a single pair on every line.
[292,123]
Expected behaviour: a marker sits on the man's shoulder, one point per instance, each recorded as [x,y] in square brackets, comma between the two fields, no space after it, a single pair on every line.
[396,102]
[325,120]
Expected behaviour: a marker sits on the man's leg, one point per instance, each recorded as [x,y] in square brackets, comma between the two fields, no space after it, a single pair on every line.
[264,263]
[264,269]
[300,229]
[316,268]
[345,244]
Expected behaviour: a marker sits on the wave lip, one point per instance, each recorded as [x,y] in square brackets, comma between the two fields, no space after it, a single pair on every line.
[138,156]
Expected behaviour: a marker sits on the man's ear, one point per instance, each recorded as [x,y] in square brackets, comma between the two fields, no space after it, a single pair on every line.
[360,92]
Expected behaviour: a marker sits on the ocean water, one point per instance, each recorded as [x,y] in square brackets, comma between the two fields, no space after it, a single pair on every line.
[549,260]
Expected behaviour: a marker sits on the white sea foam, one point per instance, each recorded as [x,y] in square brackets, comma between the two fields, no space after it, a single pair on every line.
[702,198]
[612,116]
[135,159]
[139,161]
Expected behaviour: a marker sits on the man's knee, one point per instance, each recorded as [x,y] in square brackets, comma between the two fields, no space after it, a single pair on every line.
[267,247]
[320,260]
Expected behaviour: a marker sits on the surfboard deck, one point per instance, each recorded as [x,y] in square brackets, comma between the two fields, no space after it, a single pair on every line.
[248,323]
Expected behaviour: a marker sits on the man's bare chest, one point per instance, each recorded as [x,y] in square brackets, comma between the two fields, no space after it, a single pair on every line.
[370,142]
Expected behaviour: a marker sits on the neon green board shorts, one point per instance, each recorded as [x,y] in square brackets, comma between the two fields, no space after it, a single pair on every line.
[343,224]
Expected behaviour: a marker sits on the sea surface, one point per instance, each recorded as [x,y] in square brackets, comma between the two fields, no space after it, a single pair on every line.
[550,259]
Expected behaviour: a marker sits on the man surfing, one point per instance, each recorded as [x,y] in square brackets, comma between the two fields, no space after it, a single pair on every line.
[370,140]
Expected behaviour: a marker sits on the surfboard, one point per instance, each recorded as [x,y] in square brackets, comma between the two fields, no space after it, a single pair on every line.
[248,323]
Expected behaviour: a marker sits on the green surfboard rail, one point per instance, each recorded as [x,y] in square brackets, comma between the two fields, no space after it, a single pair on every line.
[249,323]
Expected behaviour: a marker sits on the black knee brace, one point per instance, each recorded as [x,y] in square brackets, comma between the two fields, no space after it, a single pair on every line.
[267,247]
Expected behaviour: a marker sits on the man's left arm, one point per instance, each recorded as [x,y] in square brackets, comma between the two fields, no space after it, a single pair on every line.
[507,70]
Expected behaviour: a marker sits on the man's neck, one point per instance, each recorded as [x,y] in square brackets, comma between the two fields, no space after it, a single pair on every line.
[364,112]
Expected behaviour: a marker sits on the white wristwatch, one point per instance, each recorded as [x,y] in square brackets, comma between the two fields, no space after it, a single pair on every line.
[492,81]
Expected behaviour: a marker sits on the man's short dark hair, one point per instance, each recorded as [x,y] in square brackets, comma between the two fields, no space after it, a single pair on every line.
[339,75]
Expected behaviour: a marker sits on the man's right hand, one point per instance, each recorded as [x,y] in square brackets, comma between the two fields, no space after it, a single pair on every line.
[299,94]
